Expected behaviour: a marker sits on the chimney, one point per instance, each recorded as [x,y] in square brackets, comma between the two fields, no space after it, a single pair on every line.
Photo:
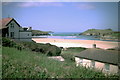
[94,45]
[30,28]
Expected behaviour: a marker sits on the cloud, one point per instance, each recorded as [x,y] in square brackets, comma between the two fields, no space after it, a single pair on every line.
[37,4]
[60,0]
[85,6]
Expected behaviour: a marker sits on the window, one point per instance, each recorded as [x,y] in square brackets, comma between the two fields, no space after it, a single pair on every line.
[92,63]
[28,34]
[12,34]
[81,61]
[12,25]
[107,67]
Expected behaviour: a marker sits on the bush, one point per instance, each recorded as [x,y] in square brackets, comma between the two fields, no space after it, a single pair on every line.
[53,50]
[76,48]
[25,64]
[68,57]
[8,42]
[47,49]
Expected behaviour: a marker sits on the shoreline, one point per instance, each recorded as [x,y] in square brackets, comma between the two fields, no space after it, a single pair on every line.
[97,39]
[65,43]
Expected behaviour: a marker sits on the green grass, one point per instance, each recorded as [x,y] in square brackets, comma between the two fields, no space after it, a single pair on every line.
[112,35]
[71,52]
[48,49]
[38,33]
[102,31]
[27,64]
[115,35]
[0,61]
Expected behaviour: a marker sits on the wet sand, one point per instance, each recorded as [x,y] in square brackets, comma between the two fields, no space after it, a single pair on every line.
[77,43]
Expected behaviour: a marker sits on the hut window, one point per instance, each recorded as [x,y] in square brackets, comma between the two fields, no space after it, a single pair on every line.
[92,63]
[107,67]
[81,61]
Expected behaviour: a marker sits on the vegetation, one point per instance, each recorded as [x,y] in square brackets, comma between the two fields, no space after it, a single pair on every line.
[97,32]
[7,42]
[47,49]
[71,52]
[26,64]
[106,34]
[38,33]
[115,34]
[116,49]
[0,62]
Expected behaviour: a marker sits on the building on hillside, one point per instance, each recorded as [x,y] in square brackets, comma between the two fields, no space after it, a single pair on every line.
[100,59]
[12,29]
[26,33]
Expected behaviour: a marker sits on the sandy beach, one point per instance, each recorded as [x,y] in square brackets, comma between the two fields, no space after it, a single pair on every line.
[77,43]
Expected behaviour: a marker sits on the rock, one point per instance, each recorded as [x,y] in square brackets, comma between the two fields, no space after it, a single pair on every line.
[58,58]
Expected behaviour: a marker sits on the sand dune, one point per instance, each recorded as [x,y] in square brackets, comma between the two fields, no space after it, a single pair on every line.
[77,43]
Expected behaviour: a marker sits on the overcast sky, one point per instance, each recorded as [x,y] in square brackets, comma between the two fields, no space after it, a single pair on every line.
[63,16]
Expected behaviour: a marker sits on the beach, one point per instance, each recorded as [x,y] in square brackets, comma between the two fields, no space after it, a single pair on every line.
[65,43]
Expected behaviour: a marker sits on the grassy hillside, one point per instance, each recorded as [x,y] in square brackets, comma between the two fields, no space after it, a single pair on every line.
[0,62]
[47,49]
[97,31]
[38,33]
[32,62]
[27,64]
[115,35]
[106,34]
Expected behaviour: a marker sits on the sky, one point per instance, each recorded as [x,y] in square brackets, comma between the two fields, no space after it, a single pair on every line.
[63,16]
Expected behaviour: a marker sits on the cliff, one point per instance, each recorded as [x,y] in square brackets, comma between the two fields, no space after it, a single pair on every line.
[38,32]
[106,34]
[97,32]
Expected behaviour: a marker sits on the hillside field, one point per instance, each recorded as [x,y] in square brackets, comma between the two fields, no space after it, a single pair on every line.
[28,64]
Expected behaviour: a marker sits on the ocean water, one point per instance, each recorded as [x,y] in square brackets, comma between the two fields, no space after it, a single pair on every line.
[71,35]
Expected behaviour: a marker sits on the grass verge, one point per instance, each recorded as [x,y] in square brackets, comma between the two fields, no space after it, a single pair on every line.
[28,64]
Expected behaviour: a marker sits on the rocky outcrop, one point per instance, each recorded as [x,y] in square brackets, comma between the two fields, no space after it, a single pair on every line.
[97,32]
[39,33]
[106,34]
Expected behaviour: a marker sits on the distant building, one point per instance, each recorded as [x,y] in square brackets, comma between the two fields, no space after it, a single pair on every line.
[103,60]
[12,29]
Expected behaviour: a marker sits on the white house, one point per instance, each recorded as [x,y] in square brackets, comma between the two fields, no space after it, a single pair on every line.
[100,59]
[10,28]
[25,34]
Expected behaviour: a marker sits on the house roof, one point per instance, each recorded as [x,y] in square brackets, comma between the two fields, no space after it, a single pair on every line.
[101,55]
[5,21]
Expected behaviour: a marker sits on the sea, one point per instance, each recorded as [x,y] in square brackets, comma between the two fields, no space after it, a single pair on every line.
[71,35]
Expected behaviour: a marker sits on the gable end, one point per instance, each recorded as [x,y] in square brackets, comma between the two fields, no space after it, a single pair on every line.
[14,21]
